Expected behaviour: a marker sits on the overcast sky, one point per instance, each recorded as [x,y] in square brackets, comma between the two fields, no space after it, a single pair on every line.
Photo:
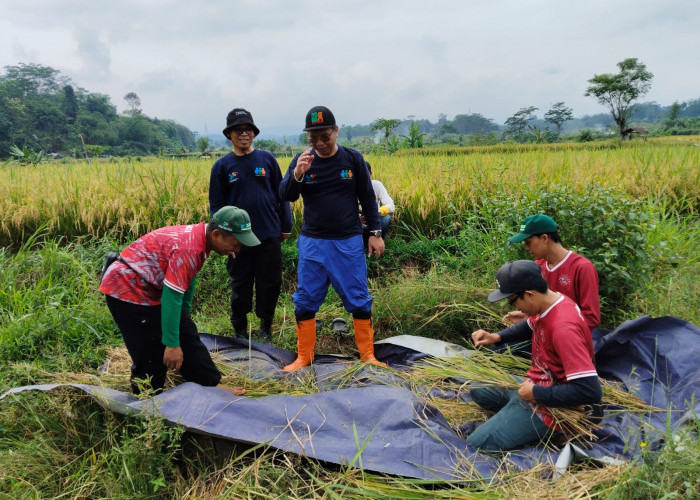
[194,61]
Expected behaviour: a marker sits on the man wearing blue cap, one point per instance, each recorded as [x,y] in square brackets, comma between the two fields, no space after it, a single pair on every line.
[331,179]
[563,373]
[564,270]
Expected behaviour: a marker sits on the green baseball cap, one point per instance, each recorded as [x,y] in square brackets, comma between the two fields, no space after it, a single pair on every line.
[535,224]
[236,221]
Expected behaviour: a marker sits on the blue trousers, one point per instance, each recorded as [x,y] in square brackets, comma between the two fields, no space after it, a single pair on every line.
[515,423]
[340,263]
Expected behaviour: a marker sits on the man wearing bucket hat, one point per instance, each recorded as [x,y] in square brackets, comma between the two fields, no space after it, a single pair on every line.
[564,270]
[331,179]
[249,178]
[563,373]
[149,290]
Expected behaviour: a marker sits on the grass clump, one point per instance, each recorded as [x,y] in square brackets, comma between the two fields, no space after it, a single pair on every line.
[671,470]
[50,313]
[64,445]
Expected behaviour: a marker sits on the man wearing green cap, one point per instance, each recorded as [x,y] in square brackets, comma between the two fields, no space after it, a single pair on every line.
[564,270]
[149,290]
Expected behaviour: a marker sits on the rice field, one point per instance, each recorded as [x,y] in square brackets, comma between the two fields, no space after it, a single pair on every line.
[125,198]
[58,219]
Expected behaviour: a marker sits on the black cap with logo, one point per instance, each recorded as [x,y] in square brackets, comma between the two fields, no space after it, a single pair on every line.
[319,117]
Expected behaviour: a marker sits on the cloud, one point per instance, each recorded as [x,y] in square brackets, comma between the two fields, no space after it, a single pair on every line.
[193,62]
[94,54]
[551,70]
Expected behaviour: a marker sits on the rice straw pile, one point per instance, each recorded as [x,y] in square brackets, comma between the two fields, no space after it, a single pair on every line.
[489,368]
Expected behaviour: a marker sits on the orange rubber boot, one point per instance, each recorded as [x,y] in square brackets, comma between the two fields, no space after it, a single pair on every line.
[306,342]
[364,338]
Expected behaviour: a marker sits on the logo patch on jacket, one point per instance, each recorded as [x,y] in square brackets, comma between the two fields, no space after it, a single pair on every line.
[260,172]
[346,174]
[232,177]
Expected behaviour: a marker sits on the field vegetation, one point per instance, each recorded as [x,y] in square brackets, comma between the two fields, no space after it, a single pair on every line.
[632,208]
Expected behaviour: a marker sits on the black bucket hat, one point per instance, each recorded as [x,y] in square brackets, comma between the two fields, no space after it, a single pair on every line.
[239,116]
[319,117]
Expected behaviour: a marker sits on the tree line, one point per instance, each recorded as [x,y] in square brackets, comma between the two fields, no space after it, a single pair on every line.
[41,110]
[618,92]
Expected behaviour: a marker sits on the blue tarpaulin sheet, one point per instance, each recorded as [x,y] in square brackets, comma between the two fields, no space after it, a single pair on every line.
[379,424]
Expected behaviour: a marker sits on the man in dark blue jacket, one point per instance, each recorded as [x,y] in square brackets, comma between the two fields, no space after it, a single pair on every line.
[249,178]
[331,179]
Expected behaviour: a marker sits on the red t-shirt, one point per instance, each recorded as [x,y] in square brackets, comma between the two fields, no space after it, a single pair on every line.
[576,277]
[170,256]
[562,349]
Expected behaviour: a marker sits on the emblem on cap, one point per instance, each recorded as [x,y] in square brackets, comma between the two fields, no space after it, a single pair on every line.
[317,117]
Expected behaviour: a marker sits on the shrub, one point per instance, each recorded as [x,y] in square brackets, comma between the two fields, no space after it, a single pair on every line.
[60,445]
[585,135]
[602,224]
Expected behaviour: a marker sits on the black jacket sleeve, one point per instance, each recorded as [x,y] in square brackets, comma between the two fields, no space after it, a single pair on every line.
[580,391]
[290,188]
[519,331]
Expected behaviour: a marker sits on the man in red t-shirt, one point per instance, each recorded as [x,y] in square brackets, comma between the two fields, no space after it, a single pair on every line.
[149,291]
[564,270]
[563,373]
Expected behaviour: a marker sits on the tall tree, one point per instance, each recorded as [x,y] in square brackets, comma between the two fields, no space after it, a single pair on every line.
[473,123]
[619,91]
[35,78]
[673,114]
[447,128]
[558,115]
[203,144]
[70,103]
[386,125]
[517,124]
[134,102]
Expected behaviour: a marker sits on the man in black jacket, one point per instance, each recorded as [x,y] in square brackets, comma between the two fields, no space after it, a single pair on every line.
[331,179]
[249,178]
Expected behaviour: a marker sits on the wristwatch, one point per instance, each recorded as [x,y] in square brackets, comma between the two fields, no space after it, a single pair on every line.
[376,232]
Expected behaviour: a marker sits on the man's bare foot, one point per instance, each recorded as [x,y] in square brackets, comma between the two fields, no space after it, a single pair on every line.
[236,391]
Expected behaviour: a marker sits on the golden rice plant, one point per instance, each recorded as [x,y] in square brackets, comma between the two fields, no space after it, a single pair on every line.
[126,198]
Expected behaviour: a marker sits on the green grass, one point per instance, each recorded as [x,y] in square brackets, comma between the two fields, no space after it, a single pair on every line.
[64,445]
